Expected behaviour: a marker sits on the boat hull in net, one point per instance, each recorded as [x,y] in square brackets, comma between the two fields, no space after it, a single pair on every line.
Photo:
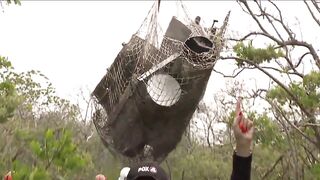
[134,119]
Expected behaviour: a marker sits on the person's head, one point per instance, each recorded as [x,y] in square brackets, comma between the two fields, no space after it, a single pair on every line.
[197,20]
[145,171]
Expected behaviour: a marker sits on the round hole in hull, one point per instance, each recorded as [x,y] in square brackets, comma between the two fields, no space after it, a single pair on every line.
[163,89]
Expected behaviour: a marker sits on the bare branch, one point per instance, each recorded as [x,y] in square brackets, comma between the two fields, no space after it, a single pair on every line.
[269,20]
[273,167]
[233,74]
[310,153]
[258,33]
[295,42]
[281,21]
[245,3]
[315,4]
[282,71]
[279,12]
[290,63]
[292,148]
[238,1]
[300,59]
[310,125]
[311,12]
[295,127]
[275,80]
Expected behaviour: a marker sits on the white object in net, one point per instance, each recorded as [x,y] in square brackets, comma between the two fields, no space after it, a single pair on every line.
[164,89]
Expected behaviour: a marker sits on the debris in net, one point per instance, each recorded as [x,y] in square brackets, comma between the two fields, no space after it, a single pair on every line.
[150,93]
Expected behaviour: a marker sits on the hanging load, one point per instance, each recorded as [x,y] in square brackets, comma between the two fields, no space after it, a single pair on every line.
[152,89]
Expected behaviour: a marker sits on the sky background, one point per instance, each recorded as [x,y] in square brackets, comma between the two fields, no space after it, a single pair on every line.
[73,42]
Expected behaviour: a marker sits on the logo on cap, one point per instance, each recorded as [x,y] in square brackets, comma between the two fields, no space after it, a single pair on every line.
[147,169]
[143,169]
[153,169]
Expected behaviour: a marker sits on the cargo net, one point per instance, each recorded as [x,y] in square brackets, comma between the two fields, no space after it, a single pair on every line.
[165,61]
[196,47]
[150,53]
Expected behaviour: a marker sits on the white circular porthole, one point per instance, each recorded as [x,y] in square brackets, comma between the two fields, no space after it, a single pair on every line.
[164,89]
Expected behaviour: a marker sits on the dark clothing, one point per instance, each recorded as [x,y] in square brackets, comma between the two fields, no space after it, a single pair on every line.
[147,171]
[241,169]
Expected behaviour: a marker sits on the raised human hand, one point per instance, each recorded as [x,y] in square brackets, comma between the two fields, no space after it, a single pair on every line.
[243,131]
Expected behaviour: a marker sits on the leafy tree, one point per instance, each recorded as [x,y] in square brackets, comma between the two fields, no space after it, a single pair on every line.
[8,95]
[38,142]
[293,96]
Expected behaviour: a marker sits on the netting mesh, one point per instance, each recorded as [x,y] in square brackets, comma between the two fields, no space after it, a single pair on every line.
[156,70]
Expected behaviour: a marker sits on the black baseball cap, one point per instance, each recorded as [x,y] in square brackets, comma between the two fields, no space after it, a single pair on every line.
[147,171]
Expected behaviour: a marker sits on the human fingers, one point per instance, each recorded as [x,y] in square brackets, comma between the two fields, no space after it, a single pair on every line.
[8,176]
[238,106]
[245,125]
[239,114]
[249,124]
[100,177]
[238,121]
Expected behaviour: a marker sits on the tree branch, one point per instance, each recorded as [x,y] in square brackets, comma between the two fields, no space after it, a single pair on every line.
[296,128]
[311,12]
[295,42]
[300,59]
[245,3]
[274,79]
[315,4]
[281,19]
[281,43]
[282,71]
[257,33]
[269,20]
[310,125]
[273,167]
[230,76]
[311,154]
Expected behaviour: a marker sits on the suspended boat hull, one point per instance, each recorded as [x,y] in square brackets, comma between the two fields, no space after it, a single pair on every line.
[135,119]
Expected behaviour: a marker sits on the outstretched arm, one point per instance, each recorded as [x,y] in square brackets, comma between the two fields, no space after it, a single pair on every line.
[243,131]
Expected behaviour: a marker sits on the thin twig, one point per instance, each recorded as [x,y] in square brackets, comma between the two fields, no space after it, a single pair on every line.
[273,167]
[229,76]
[311,12]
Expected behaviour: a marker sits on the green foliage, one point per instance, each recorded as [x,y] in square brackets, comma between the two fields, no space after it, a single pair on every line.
[199,161]
[33,91]
[257,55]
[312,81]
[263,159]
[311,86]
[39,173]
[16,2]
[54,154]
[278,94]
[23,171]
[57,147]
[315,170]
[9,100]
[307,92]
[267,133]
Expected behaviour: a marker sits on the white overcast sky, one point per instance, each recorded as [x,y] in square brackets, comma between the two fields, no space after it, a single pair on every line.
[73,42]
